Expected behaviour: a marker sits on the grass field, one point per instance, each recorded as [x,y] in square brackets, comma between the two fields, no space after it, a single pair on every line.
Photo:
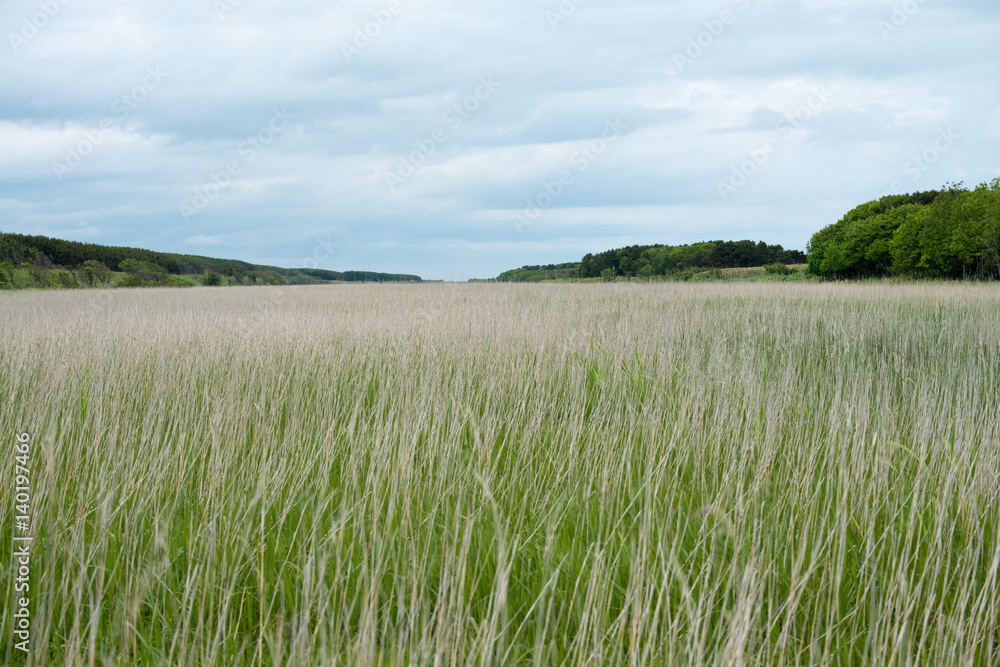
[618,474]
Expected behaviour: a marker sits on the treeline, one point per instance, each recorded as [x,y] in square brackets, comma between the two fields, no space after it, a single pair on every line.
[42,252]
[664,260]
[351,276]
[539,273]
[948,233]
[47,252]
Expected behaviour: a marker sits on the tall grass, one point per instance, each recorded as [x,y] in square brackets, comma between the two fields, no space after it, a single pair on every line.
[618,474]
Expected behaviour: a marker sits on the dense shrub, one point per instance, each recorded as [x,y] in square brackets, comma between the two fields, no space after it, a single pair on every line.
[130,281]
[147,273]
[39,276]
[211,278]
[67,279]
[95,272]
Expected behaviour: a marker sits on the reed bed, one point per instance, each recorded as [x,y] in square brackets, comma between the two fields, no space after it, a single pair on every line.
[607,474]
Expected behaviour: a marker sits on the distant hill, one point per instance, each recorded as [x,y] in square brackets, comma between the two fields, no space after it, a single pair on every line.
[661,260]
[44,252]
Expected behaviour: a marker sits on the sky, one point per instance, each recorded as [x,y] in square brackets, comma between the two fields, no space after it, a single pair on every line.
[456,140]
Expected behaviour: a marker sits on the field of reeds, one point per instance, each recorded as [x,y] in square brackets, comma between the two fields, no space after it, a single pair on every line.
[614,474]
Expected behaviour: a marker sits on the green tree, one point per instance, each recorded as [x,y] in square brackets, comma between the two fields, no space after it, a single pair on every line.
[907,257]
[6,276]
[991,227]
[95,272]
[142,272]
[951,232]
[67,279]
[211,278]
[39,276]
[642,267]
[935,235]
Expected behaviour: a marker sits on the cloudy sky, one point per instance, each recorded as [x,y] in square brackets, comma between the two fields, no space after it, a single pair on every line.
[458,139]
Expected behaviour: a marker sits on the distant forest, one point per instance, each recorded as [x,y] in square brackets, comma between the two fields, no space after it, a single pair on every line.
[664,260]
[646,261]
[948,233]
[42,252]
